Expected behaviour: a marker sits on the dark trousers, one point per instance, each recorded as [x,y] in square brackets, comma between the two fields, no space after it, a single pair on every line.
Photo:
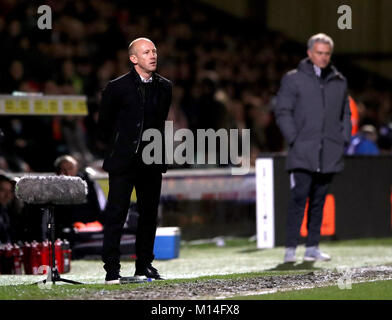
[147,183]
[304,185]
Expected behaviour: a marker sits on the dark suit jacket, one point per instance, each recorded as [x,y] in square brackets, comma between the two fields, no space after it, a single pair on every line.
[121,118]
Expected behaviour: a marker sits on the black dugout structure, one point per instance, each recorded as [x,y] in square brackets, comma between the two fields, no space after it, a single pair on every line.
[362,196]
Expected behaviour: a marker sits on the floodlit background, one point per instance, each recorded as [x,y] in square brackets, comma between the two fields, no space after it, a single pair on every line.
[226,59]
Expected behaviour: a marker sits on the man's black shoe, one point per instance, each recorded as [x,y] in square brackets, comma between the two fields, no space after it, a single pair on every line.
[149,271]
[112,278]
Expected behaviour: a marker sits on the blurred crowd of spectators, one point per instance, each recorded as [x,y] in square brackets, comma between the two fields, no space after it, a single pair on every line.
[226,73]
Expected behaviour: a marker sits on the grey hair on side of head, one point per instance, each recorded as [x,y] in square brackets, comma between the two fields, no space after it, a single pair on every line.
[320,37]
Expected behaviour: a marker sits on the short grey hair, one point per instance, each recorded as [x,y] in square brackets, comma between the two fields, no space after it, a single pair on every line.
[320,37]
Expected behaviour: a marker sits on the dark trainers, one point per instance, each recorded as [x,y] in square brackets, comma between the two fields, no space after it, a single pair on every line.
[149,271]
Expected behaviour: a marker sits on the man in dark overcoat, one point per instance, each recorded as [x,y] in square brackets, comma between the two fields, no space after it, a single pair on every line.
[312,111]
[132,104]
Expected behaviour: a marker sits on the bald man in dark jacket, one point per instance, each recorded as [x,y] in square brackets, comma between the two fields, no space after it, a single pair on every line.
[313,114]
[131,104]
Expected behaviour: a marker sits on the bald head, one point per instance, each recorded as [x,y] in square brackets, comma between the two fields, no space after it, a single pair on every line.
[135,43]
[66,165]
[143,55]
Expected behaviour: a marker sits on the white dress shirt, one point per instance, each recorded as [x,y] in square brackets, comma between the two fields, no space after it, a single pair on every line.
[145,80]
[317,70]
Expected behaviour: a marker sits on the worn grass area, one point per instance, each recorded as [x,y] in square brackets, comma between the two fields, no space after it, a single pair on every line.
[375,290]
[201,263]
[65,291]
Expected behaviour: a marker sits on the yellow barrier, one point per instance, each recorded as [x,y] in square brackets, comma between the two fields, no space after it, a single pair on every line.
[41,105]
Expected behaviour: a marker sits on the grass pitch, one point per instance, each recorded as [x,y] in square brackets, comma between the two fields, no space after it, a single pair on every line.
[375,290]
[205,271]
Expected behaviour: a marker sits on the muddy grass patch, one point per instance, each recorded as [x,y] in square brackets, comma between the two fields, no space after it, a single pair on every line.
[239,286]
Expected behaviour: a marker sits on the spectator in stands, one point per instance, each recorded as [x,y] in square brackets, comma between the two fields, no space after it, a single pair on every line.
[365,142]
[385,139]
[12,219]
[83,52]
[354,116]
[32,224]
[16,146]
[313,113]
[16,210]
[75,140]
[92,210]
[6,196]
